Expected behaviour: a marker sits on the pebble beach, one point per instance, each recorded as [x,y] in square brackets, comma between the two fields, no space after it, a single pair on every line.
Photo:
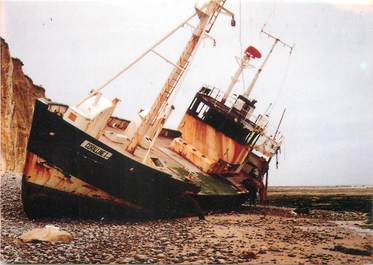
[252,235]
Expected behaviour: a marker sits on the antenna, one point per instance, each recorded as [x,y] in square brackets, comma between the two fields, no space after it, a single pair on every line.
[277,39]
[247,92]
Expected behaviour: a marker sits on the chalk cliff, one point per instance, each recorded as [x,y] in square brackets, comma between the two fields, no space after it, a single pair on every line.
[18,94]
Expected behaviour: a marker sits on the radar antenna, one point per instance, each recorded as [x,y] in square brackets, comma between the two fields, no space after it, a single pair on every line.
[248,91]
[250,53]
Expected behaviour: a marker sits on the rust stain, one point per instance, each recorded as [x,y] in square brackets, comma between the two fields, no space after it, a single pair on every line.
[54,179]
[205,146]
[211,142]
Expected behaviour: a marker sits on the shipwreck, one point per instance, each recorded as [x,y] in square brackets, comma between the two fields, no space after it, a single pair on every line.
[81,159]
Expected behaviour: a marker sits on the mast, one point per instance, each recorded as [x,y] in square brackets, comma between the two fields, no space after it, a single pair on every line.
[247,92]
[249,53]
[205,13]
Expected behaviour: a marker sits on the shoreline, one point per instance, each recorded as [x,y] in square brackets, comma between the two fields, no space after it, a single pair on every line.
[264,234]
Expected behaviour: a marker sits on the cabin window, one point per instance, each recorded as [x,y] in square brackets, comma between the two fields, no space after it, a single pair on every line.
[200,107]
[203,111]
[193,103]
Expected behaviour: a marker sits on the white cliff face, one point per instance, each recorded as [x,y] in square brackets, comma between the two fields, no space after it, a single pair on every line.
[18,94]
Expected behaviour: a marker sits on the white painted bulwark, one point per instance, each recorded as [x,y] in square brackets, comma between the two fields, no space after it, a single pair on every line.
[91,115]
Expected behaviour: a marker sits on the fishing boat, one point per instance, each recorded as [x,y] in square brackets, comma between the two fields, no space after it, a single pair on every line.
[81,159]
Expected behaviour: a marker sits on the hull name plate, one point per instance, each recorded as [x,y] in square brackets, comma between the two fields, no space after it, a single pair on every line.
[96,150]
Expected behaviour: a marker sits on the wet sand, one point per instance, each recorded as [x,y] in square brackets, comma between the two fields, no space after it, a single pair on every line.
[252,235]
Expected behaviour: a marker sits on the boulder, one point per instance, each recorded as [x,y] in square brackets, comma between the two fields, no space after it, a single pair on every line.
[49,233]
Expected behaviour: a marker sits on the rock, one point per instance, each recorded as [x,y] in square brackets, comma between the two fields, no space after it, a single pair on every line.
[176,260]
[262,250]
[273,249]
[248,255]
[352,251]
[48,233]
[200,261]
[161,256]
[124,260]
[218,255]
[141,257]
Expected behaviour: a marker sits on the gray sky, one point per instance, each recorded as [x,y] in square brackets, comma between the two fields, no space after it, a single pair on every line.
[70,47]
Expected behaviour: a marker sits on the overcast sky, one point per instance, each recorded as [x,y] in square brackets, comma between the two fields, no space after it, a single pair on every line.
[71,47]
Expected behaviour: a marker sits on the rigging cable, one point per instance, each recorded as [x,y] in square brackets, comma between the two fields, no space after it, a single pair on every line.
[282,83]
[136,60]
[145,53]
[270,16]
[240,39]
